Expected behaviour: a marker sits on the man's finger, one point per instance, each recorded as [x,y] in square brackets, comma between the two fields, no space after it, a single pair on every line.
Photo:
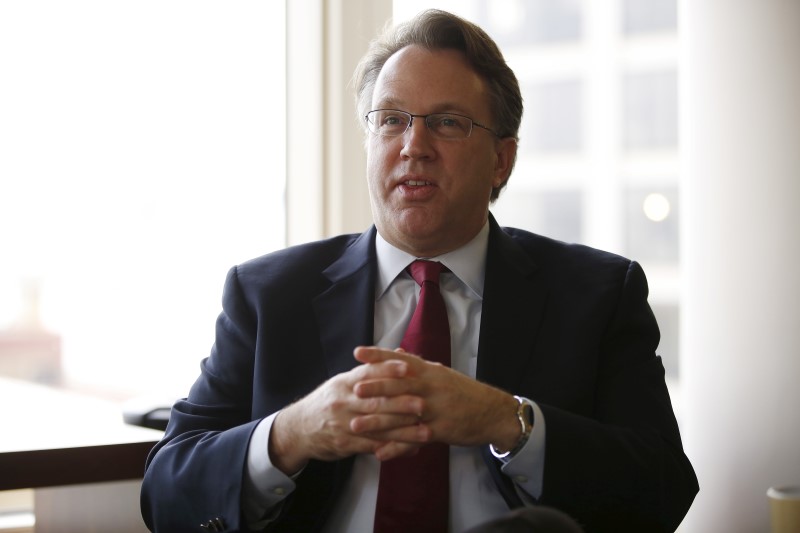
[403,404]
[388,369]
[373,354]
[384,387]
[393,449]
[377,426]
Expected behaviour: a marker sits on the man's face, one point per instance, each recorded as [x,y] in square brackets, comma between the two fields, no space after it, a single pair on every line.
[430,195]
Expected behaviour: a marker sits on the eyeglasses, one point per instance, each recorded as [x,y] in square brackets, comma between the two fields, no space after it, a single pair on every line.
[392,123]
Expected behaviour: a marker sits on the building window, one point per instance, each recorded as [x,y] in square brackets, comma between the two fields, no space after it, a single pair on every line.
[554,117]
[554,213]
[531,21]
[650,110]
[647,16]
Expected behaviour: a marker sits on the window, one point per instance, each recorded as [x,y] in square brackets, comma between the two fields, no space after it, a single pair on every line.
[554,116]
[141,154]
[552,212]
[650,108]
[647,16]
[543,21]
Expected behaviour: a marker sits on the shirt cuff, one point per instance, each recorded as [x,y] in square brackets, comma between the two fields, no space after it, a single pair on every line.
[526,467]
[265,486]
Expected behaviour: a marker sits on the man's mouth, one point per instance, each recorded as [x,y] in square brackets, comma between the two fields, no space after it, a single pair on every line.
[417,183]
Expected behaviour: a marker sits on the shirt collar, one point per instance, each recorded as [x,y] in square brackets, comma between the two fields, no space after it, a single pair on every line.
[468,263]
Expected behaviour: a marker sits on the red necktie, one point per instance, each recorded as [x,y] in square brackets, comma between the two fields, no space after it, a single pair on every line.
[414,492]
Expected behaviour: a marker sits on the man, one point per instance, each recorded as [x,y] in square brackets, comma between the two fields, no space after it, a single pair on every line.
[553,395]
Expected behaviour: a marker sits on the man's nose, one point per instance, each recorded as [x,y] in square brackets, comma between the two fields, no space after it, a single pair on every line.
[417,139]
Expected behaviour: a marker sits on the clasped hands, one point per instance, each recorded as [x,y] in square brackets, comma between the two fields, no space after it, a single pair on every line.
[389,406]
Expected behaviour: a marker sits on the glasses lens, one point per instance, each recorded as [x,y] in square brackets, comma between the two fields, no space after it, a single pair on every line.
[449,126]
[388,122]
[392,123]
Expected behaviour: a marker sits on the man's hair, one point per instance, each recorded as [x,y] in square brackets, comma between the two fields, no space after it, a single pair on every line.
[437,30]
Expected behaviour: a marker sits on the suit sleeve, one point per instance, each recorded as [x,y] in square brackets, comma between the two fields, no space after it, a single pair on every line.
[622,467]
[195,474]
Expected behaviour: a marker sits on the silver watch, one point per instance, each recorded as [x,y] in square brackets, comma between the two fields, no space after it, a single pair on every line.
[525,417]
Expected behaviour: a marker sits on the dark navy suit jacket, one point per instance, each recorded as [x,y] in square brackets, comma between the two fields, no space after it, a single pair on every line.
[564,325]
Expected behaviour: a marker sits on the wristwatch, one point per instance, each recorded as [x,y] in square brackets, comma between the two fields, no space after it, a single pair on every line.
[525,417]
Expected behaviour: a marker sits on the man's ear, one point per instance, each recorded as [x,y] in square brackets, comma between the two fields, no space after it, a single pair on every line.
[506,150]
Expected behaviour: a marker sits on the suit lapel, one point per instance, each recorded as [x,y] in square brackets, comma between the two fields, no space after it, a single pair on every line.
[345,310]
[514,299]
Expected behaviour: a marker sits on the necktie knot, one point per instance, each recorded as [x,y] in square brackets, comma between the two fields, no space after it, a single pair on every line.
[422,271]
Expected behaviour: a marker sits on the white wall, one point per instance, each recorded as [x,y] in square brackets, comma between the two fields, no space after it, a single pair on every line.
[740,373]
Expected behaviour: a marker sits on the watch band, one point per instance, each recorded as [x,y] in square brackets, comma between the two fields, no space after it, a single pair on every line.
[525,417]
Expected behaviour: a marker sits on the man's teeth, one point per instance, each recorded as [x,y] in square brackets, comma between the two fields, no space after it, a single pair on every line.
[415,183]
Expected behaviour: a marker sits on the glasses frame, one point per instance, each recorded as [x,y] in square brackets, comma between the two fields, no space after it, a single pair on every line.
[412,116]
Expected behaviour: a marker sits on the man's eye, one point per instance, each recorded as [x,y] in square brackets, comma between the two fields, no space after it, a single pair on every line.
[447,122]
[393,121]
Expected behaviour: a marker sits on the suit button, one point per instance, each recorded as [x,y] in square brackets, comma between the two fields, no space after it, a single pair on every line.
[280,491]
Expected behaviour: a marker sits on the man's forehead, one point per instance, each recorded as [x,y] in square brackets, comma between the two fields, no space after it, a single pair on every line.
[415,55]
[439,75]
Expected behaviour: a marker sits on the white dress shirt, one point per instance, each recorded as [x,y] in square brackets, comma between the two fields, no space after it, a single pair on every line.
[474,498]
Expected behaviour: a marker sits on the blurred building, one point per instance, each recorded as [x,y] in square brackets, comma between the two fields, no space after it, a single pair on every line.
[27,350]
